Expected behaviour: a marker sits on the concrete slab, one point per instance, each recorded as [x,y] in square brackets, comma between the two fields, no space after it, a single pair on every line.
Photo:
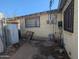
[25,52]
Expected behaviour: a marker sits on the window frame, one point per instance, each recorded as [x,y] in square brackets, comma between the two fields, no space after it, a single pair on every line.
[30,18]
[69,17]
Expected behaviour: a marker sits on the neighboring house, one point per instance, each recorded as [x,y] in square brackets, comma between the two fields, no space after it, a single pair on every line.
[67,13]
[38,23]
[13,21]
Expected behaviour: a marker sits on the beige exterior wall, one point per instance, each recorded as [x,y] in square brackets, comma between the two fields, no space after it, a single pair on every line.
[45,29]
[71,39]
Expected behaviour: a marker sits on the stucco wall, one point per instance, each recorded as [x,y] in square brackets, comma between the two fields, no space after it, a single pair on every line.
[45,29]
[70,39]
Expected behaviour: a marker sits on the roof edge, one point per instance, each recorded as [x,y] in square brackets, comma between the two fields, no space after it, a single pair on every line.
[38,13]
[61,4]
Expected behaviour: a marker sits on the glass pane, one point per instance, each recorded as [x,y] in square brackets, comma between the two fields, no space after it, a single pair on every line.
[32,22]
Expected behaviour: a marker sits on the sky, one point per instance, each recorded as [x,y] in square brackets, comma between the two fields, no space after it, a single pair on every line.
[11,8]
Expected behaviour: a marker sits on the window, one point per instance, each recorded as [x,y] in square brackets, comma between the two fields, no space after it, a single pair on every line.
[69,17]
[32,22]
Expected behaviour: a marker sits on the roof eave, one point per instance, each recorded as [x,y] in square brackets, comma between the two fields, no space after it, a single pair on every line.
[39,13]
[61,4]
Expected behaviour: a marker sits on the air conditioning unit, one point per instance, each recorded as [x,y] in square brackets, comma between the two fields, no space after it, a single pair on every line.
[52,20]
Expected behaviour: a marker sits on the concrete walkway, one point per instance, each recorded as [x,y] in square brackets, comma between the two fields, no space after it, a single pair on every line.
[25,52]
